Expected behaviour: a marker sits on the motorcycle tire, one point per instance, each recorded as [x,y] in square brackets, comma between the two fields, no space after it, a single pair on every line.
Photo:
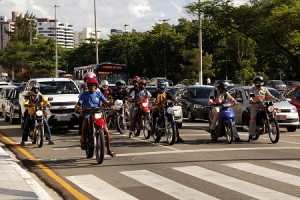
[89,147]
[228,132]
[121,127]
[171,134]
[99,149]
[40,136]
[146,127]
[274,132]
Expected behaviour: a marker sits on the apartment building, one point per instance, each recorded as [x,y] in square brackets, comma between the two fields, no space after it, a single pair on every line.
[5,25]
[85,36]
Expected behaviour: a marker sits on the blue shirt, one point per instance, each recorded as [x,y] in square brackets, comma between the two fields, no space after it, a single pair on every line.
[88,100]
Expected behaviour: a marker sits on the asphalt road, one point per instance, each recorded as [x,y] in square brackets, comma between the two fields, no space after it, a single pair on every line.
[197,169]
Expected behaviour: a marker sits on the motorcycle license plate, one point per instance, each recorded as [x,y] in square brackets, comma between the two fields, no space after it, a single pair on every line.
[281,117]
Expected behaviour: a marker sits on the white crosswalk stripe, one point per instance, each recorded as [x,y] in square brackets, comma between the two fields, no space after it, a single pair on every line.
[234,183]
[165,185]
[103,190]
[266,172]
[99,188]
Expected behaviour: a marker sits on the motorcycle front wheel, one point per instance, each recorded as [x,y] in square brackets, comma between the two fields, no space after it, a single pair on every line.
[121,127]
[146,127]
[228,131]
[274,131]
[40,136]
[99,150]
[171,133]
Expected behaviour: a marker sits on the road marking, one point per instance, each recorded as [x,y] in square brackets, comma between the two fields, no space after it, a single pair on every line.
[266,172]
[46,169]
[289,163]
[99,188]
[165,185]
[234,184]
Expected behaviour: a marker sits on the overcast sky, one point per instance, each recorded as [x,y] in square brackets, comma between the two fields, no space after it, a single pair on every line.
[140,15]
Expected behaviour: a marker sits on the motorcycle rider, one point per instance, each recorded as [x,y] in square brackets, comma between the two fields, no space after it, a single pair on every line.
[83,87]
[216,97]
[134,97]
[106,91]
[161,96]
[92,98]
[120,91]
[32,98]
[257,94]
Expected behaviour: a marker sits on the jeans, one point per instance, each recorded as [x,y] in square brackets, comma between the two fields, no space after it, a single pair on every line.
[27,124]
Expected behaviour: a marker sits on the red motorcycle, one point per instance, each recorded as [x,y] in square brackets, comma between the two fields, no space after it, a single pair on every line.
[143,118]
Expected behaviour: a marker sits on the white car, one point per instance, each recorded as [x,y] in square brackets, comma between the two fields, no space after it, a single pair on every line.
[65,95]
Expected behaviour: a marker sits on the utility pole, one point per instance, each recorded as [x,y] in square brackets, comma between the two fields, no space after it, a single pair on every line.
[30,39]
[165,55]
[96,32]
[200,44]
[125,25]
[56,57]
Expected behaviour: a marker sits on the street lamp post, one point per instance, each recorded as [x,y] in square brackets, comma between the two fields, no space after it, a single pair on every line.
[56,57]
[165,55]
[200,44]
[30,36]
[125,25]
[96,32]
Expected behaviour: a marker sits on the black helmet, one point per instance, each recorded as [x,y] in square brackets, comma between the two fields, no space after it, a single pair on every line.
[34,88]
[161,85]
[120,83]
[222,85]
[258,81]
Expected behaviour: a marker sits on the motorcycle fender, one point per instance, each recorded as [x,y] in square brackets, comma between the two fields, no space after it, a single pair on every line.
[99,123]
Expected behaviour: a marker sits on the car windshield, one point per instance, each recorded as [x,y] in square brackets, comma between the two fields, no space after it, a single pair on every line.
[60,87]
[200,93]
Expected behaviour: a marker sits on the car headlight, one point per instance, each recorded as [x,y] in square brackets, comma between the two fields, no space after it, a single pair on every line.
[294,110]
[198,106]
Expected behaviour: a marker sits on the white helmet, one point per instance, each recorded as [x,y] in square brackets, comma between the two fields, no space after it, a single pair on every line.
[104,84]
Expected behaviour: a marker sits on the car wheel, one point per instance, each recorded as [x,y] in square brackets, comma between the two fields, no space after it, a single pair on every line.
[191,118]
[291,128]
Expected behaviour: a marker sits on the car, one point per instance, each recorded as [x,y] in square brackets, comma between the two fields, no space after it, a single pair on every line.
[194,101]
[153,81]
[63,93]
[4,90]
[12,108]
[293,96]
[286,115]
[290,84]
[277,84]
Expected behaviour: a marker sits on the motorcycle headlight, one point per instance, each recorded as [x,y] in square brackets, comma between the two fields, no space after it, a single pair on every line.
[270,108]
[170,110]
[144,104]
[98,115]
[39,113]
[198,106]
[118,103]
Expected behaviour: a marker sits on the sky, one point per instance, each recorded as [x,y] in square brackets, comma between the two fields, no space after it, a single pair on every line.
[140,15]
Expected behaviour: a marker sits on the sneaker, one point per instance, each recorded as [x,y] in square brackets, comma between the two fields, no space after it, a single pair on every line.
[250,138]
[238,139]
[180,140]
[130,134]
[22,143]
[50,142]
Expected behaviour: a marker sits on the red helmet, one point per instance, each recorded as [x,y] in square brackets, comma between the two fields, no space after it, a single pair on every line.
[88,75]
[92,81]
[143,81]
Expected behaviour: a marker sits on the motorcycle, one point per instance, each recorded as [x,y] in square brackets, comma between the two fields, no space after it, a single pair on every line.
[226,123]
[120,116]
[95,136]
[266,122]
[143,118]
[36,131]
[166,124]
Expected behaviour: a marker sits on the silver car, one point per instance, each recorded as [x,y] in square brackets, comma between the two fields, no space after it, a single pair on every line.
[287,115]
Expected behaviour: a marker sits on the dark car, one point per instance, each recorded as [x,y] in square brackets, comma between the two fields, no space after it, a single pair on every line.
[277,84]
[12,108]
[194,100]
[293,96]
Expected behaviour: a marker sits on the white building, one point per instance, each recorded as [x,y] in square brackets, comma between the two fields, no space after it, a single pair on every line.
[5,25]
[85,36]
[65,32]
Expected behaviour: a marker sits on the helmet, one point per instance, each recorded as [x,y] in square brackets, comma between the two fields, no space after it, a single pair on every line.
[88,75]
[258,81]
[104,84]
[120,83]
[222,85]
[143,82]
[161,85]
[34,88]
[135,79]
[92,81]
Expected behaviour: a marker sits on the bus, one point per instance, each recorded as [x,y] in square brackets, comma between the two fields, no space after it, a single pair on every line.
[104,71]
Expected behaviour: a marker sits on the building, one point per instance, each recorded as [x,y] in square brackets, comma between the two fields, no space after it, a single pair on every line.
[87,35]
[116,32]
[65,31]
[5,25]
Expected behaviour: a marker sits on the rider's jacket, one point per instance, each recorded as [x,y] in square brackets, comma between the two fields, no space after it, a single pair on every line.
[216,97]
[136,95]
[106,92]
[260,94]
[119,94]
[161,98]
[88,100]
[29,99]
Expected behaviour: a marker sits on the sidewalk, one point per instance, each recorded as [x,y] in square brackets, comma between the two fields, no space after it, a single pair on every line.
[16,183]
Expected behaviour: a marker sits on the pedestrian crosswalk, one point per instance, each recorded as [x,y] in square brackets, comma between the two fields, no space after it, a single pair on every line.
[177,189]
